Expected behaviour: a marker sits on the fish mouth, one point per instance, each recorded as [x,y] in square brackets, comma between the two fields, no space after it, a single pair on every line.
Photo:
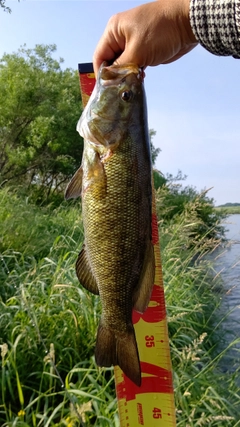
[109,75]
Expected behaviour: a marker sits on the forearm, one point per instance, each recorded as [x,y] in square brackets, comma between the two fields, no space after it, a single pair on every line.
[216,25]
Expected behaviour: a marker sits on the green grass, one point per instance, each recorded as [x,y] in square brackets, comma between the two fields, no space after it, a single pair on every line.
[228,210]
[48,321]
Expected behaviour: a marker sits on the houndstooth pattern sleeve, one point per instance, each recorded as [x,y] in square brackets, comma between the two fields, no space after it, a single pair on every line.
[216,25]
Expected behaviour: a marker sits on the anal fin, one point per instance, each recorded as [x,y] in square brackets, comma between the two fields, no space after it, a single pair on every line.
[84,273]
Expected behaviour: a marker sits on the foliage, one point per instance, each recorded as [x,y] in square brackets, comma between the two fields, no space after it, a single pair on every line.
[159,179]
[4,7]
[228,209]
[48,321]
[154,151]
[203,391]
[30,231]
[40,104]
[39,108]
[226,205]
[175,199]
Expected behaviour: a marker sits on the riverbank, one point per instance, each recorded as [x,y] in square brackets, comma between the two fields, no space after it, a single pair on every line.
[228,210]
[44,312]
[228,263]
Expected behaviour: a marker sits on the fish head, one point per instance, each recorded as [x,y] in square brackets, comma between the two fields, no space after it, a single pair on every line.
[113,105]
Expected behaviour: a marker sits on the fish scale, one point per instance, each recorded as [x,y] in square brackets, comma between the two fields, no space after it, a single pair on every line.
[114,180]
[116,222]
[153,402]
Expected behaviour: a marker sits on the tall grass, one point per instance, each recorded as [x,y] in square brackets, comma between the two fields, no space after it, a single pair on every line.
[205,394]
[48,324]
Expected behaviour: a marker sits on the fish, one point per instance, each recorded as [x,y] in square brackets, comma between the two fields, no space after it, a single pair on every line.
[117,260]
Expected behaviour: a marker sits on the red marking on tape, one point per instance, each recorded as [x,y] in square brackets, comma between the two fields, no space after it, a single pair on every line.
[87,83]
[155,313]
[140,414]
[158,381]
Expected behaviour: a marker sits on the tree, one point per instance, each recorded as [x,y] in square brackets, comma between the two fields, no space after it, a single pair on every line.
[5,8]
[40,105]
[158,177]
[154,151]
[175,199]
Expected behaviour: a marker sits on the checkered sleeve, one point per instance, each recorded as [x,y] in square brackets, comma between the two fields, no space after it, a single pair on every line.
[216,25]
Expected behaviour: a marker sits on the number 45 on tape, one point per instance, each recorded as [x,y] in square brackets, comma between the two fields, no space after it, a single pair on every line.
[152,404]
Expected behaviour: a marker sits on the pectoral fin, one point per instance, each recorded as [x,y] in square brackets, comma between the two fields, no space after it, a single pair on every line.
[95,180]
[84,273]
[143,291]
[74,188]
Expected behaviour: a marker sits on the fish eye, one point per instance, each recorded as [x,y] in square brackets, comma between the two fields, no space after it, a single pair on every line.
[126,95]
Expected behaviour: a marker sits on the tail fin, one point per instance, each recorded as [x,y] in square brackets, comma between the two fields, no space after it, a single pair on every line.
[113,349]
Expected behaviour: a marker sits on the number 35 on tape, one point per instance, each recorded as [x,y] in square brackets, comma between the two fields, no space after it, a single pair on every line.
[152,404]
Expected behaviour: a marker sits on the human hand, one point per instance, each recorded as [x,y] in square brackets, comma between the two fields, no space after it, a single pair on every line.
[151,34]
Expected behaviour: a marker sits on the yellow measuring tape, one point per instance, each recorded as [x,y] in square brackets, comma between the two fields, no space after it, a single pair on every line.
[151,404]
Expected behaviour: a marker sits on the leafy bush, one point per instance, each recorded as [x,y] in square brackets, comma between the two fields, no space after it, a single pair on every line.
[175,199]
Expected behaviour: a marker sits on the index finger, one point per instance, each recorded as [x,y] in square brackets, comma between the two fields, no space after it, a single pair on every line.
[109,47]
[101,54]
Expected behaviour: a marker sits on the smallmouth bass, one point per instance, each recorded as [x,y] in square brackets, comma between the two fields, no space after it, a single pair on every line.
[114,180]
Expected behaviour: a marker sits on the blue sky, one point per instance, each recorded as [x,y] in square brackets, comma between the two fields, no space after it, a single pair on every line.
[193,104]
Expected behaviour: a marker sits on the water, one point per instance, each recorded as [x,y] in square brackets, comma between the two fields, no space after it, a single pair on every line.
[228,265]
